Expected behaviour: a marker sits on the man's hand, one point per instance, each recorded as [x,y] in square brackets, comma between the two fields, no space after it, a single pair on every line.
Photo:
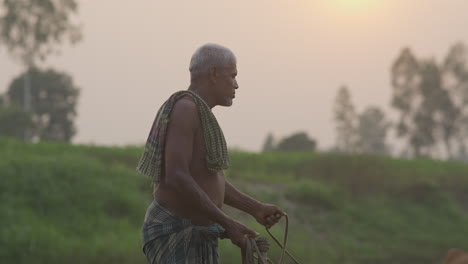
[237,233]
[268,214]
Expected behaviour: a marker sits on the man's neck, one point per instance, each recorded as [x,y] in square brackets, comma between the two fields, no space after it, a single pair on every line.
[204,93]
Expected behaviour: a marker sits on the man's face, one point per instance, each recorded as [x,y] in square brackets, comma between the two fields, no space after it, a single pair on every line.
[226,85]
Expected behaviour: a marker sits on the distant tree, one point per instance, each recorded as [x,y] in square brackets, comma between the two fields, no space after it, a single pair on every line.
[372,131]
[427,95]
[269,144]
[299,141]
[462,154]
[54,98]
[31,30]
[345,119]
[438,107]
[13,121]
[455,76]
[405,71]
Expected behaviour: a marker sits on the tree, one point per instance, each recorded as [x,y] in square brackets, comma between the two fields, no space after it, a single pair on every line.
[345,118]
[405,80]
[13,121]
[439,108]
[54,98]
[299,141]
[455,76]
[372,131]
[430,100]
[31,30]
[269,144]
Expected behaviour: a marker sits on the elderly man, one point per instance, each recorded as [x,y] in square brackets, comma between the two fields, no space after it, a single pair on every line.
[185,155]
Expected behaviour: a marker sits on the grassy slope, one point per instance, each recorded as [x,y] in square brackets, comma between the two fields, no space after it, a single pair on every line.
[85,204]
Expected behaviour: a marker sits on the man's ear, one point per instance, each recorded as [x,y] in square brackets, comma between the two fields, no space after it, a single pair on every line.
[213,74]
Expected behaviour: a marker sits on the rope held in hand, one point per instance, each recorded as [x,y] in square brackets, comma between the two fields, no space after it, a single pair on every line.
[261,247]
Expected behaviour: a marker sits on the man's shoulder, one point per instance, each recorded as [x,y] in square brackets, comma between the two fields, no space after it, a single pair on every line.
[185,110]
[185,104]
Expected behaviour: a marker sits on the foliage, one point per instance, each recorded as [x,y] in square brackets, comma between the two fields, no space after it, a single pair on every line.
[313,194]
[299,141]
[14,121]
[62,204]
[269,144]
[432,102]
[85,204]
[345,119]
[30,30]
[372,131]
[54,98]
[359,133]
[455,75]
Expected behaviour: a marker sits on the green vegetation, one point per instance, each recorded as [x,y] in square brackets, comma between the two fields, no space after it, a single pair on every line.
[85,204]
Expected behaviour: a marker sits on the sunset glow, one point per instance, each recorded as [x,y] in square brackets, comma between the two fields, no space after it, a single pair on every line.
[355,7]
[355,3]
[356,10]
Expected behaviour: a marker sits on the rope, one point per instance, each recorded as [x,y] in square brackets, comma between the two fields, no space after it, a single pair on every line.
[261,246]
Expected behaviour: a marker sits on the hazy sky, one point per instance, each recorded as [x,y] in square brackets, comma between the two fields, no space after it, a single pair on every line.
[292,57]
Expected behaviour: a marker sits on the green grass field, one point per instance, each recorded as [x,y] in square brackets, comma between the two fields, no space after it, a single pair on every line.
[85,204]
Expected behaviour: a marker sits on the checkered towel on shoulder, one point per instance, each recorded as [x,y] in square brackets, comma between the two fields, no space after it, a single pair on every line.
[171,240]
[217,155]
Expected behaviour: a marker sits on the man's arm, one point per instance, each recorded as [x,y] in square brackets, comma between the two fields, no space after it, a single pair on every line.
[182,126]
[265,214]
[235,198]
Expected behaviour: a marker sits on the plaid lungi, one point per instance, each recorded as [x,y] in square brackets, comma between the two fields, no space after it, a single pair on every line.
[173,240]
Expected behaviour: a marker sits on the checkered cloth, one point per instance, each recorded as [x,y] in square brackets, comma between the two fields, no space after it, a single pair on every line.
[171,240]
[217,155]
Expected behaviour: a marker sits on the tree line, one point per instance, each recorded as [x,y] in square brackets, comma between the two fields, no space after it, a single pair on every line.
[39,104]
[429,97]
[430,100]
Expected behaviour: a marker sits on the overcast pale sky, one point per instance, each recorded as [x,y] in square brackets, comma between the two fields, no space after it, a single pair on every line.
[292,57]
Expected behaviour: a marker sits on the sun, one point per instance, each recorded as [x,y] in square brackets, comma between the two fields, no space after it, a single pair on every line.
[355,8]
[354,3]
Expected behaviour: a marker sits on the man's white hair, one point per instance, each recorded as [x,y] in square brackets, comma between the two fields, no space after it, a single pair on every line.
[208,56]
